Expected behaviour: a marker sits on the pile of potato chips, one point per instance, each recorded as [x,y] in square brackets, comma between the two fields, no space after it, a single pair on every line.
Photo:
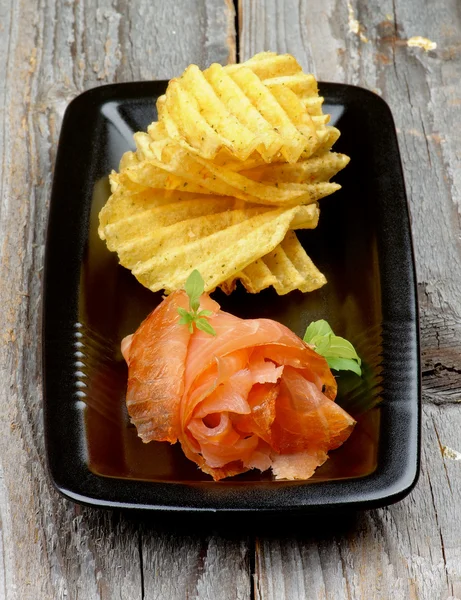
[238,159]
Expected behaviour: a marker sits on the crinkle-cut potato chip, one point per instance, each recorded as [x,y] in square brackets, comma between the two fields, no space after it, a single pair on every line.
[286,268]
[156,232]
[123,206]
[184,166]
[270,64]
[217,256]
[237,161]
[265,105]
[331,136]
[316,169]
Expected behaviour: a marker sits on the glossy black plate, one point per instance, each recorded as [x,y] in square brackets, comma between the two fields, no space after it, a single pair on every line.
[363,245]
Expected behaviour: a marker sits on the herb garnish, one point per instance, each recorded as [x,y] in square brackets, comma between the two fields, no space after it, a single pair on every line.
[194,287]
[339,353]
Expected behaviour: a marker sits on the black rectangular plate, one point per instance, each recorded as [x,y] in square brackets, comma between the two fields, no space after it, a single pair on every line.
[363,245]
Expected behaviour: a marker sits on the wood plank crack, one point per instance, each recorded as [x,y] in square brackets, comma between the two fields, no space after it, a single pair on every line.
[141,564]
[442,544]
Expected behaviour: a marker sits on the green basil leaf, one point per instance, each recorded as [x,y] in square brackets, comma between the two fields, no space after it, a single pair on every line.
[344,364]
[186,317]
[339,353]
[317,328]
[321,343]
[194,287]
[205,313]
[341,348]
[203,325]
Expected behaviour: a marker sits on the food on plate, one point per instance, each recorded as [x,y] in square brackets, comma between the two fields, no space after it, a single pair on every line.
[165,236]
[265,105]
[236,163]
[338,352]
[247,180]
[237,393]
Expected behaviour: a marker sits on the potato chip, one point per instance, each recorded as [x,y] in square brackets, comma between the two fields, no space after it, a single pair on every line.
[313,278]
[232,133]
[298,115]
[331,136]
[154,230]
[286,268]
[315,169]
[124,204]
[269,64]
[238,103]
[233,107]
[129,159]
[287,277]
[255,278]
[205,175]
[294,142]
[302,84]
[164,214]
[237,161]
[160,240]
[217,256]
[306,217]
[279,194]
[149,174]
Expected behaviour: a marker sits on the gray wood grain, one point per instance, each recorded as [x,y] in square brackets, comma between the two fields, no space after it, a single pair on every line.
[51,51]
[412,549]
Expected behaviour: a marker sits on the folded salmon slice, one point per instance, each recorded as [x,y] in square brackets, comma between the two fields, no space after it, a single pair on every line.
[253,396]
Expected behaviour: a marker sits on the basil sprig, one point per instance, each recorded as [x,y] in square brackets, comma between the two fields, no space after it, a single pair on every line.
[194,287]
[338,352]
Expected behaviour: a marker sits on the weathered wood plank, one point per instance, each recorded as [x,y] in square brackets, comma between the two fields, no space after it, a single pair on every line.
[51,51]
[410,550]
[196,566]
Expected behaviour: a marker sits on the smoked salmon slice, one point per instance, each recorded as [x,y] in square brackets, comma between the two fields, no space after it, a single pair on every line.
[253,396]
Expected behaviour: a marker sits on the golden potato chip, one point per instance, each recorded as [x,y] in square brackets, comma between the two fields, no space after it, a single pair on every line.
[129,159]
[204,175]
[286,268]
[182,118]
[119,181]
[233,107]
[257,276]
[294,142]
[124,204]
[216,114]
[302,84]
[149,229]
[279,194]
[312,277]
[298,115]
[315,169]
[148,174]
[238,159]
[161,239]
[306,217]
[217,256]
[163,214]
[238,103]
[269,64]
[287,277]
[331,136]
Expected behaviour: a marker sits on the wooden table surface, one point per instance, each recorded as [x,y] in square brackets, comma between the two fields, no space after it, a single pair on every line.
[50,51]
